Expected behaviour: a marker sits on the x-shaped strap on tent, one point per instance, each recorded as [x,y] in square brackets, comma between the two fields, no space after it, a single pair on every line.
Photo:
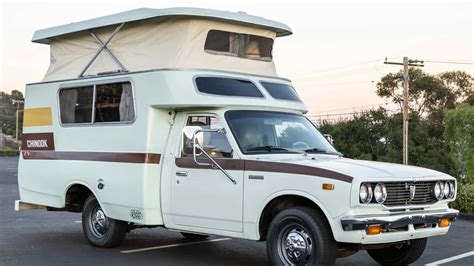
[103,47]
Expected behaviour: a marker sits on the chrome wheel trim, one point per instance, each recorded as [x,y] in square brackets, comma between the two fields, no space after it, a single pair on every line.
[98,222]
[295,245]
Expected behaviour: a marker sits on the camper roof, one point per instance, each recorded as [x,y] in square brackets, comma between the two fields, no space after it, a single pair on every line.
[44,35]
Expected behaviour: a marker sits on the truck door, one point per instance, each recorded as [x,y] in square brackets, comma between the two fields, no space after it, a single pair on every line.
[203,196]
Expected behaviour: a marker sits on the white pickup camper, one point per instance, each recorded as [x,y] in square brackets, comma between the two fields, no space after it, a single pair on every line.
[177,118]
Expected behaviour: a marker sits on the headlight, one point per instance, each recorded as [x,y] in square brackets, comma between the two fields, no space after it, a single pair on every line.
[446,189]
[452,189]
[365,193]
[438,190]
[380,193]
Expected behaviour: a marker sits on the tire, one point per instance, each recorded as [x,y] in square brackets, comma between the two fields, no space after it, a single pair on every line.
[399,255]
[193,237]
[107,232]
[304,226]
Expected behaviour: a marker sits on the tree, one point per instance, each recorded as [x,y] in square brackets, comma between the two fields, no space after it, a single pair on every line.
[428,93]
[459,133]
[8,106]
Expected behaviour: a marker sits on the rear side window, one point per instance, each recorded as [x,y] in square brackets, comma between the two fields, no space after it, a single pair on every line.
[227,87]
[113,103]
[239,45]
[76,105]
[281,91]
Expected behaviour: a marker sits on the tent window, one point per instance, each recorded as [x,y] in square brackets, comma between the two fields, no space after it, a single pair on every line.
[227,87]
[239,45]
[281,91]
[113,103]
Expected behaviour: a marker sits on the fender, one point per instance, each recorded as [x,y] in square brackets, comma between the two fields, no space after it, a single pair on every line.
[293,193]
[77,182]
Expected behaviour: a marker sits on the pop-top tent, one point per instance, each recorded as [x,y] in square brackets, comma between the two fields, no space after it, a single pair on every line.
[149,39]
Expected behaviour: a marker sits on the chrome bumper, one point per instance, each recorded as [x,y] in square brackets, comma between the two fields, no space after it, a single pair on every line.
[388,221]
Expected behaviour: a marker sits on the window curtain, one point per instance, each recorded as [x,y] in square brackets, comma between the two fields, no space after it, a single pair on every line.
[68,105]
[126,109]
[236,44]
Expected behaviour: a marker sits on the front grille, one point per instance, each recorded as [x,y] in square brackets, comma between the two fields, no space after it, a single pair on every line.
[398,193]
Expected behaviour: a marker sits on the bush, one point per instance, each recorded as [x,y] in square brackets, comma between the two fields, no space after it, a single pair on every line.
[465,198]
[9,152]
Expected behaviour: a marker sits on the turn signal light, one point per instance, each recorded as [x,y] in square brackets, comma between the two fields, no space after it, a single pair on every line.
[444,223]
[327,186]
[374,229]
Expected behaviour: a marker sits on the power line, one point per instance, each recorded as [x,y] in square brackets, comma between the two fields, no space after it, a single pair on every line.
[449,62]
[339,68]
[354,107]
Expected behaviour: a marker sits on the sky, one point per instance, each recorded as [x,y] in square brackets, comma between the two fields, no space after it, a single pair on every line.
[334,57]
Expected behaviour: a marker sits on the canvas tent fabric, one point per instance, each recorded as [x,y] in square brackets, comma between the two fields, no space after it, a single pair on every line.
[164,42]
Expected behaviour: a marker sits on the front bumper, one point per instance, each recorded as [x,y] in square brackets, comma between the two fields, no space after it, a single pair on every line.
[399,220]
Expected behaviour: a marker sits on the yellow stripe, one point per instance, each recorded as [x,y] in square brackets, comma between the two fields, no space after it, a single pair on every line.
[34,117]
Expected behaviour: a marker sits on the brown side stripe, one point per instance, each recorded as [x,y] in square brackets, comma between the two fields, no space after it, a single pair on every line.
[265,166]
[227,164]
[152,158]
[251,165]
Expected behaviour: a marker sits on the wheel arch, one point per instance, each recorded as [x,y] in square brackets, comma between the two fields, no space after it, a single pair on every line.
[75,195]
[286,199]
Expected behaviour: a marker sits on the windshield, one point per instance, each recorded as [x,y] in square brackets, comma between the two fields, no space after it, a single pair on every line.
[260,132]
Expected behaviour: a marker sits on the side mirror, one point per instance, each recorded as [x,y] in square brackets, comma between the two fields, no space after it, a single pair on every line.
[196,135]
[195,132]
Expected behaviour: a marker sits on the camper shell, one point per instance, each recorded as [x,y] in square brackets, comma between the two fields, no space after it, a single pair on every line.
[144,118]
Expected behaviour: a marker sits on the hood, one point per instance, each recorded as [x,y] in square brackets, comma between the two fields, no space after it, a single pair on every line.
[364,169]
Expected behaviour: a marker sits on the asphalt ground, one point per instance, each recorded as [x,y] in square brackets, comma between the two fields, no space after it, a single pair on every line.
[37,237]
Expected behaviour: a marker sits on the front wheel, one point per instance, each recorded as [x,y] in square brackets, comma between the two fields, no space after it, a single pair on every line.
[402,254]
[300,236]
[100,230]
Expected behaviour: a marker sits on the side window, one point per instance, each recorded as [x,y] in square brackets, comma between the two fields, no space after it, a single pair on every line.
[281,91]
[113,103]
[76,105]
[227,87]
[214,143]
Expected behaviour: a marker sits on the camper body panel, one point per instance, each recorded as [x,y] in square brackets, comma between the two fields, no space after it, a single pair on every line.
[156,93]
[46,181]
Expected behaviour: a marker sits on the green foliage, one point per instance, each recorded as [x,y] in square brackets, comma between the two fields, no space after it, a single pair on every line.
[428,93]
[9,152]
[377,135]
[8,106]
[464,199]
[459,133]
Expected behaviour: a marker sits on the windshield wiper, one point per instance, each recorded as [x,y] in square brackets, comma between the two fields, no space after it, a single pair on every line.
[270,149]
[318,150]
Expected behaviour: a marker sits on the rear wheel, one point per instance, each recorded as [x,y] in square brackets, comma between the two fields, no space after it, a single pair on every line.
[300,236]
[100,230]
[402,254]
[194,236]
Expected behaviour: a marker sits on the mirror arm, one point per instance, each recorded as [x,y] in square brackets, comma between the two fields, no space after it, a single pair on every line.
[195,145]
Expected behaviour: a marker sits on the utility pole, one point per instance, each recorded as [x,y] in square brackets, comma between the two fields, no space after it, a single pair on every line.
[406,78]
[405,110]
[17,123]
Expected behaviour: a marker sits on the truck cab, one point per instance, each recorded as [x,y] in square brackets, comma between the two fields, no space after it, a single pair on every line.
[177,118]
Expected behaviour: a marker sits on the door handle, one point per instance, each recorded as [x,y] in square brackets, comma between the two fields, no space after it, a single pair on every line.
[182,173]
